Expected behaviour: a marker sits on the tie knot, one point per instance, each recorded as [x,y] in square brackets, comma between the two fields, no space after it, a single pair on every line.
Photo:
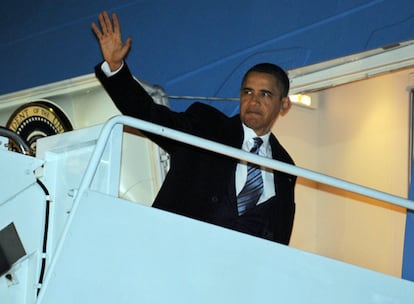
[256,145]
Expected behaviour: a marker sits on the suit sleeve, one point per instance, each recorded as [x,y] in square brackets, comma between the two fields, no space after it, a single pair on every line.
[131,99]
[129,96]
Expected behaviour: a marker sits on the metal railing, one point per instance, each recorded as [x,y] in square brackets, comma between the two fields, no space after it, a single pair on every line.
[229,151]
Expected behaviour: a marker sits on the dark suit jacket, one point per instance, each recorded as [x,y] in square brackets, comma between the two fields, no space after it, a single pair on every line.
[201,184]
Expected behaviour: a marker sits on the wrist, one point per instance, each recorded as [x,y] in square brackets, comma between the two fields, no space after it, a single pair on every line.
[108,71]
[114,66]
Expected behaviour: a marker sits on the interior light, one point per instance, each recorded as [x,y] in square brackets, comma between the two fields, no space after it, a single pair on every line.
[304,100]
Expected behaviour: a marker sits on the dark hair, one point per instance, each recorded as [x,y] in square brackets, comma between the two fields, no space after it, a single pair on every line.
[282,79]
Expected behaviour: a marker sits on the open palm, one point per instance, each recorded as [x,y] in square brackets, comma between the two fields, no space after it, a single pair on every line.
[110,40]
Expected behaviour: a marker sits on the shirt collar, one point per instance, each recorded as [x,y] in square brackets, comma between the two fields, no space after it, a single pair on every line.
[249,134]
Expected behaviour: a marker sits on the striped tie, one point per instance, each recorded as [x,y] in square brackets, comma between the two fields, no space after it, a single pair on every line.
[253,188]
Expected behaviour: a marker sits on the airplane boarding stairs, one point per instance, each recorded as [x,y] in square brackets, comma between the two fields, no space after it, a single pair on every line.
[66,237]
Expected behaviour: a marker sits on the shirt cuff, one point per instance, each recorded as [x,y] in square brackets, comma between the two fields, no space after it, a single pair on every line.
[107,71]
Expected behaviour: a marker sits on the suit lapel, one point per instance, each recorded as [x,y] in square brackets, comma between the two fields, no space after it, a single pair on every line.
[234,138]
[274,144]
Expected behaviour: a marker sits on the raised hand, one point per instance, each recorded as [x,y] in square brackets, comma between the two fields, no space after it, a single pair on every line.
[110,39]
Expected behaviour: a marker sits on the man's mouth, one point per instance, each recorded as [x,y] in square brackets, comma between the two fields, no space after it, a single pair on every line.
[253,112]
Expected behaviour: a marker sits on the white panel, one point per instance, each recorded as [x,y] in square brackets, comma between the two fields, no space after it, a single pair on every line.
[26,210]
[17,173]
[120,252]
[22,288]
[66,158]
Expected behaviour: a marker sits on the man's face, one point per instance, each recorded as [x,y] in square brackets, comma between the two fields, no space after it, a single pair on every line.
[261,102]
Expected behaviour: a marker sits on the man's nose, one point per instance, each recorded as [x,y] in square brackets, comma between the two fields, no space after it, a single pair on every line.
[256,97]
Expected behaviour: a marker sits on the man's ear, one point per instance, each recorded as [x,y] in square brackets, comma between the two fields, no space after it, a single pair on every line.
[286,105]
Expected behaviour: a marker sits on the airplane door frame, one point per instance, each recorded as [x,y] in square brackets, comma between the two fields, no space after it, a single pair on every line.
[408,255]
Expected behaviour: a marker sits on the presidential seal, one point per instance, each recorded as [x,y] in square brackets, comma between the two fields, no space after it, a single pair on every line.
[38,119]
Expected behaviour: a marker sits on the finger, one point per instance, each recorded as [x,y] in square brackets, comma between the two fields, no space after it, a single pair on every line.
[116,23]
[96,30]
[107,21]
[102,23]
[128,43]
[126,47]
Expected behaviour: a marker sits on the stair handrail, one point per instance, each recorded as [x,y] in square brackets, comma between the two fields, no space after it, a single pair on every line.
[229,151]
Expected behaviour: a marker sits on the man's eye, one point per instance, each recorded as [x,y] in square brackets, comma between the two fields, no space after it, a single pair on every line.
[266,94]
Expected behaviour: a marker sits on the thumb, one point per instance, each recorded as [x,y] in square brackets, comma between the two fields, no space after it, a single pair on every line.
[127,46]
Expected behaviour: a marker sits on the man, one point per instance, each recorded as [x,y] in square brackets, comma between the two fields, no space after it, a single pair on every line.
[204,185]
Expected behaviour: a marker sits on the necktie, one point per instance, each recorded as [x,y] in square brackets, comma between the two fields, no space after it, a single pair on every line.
[253,188]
